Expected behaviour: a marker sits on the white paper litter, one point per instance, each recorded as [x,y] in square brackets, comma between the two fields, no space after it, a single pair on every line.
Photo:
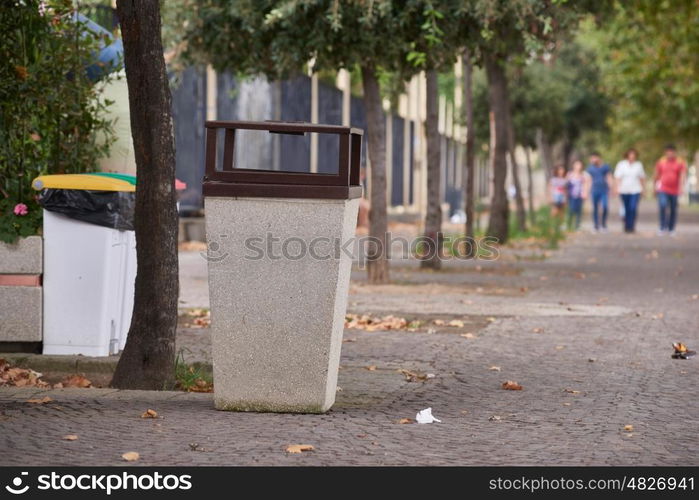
[425,417]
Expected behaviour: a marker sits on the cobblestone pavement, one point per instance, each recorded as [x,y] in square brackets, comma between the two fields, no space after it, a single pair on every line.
[587,332]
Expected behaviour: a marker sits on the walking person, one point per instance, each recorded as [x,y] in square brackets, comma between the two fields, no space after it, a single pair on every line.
[578,187]
[630,178]
[601,181]
[557,192]
[670,172]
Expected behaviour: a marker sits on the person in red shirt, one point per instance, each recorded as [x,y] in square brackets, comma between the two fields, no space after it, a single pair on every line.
[670,173]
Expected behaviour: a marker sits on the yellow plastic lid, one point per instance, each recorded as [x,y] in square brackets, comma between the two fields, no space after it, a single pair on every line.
[82,181]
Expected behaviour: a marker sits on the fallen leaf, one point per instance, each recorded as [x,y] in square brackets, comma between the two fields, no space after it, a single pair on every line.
[41,401]
[70,437]
[652,255]
[21,72]
[490,319]
[76,381]
[347,341]
[149,414]
[456,323]
[560,347]
[537,330]
[658,316]
[371,324]
[628,428]
[679,347]
[571,391]
[511,385]
[131,456]
[494,368]
[299,448]
[467,335]
[371,368]
[580,276]
[406,421]
[566,404]
[439,322]
[411,376]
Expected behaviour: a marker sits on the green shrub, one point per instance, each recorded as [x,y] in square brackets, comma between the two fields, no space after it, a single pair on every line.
[52,116]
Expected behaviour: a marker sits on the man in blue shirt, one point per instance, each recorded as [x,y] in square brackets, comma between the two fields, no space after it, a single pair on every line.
[601,176]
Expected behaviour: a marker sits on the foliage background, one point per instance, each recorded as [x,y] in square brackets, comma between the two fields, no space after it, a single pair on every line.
[52,116]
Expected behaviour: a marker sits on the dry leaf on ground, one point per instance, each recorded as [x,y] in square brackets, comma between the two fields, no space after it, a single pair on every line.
[571,391]
[439,322]
[70,437]
[41,401]
[76,381]
[372,324]
[19,377]
[406,421]
[537,330]
[371,368]
[411,376]
[131,456]
[299,448]
[456,323]
[149,414]
[628,428]
[494,368]
[468,335]
[511,385]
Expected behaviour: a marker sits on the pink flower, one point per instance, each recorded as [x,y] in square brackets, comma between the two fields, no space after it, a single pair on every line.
[21,209]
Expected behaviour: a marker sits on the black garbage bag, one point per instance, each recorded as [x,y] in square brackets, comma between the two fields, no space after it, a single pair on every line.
[113,209]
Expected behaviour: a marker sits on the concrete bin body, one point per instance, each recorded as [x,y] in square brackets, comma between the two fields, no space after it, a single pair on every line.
[278,284]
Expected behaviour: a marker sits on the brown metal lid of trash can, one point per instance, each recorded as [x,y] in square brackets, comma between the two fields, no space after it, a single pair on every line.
[237,182]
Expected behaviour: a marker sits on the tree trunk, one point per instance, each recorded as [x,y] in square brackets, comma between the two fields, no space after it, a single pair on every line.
[545,154]
[469,153]
[149,356]
[433,218]
[519,199]
[377,254]
[530,187]
[498,101]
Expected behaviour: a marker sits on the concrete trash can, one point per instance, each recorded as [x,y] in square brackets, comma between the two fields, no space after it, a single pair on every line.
[278,315]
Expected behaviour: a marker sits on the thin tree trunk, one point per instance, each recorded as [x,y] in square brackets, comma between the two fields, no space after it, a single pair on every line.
[149,356]
[470,153]
[377,264]
[545,154]
[519,199]
[498,101]
[530,187]
[433,217]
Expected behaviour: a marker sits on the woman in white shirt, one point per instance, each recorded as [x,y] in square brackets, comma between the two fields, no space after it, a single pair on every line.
[629,176]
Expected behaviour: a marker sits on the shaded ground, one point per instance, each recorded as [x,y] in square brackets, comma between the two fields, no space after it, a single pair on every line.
[587,332]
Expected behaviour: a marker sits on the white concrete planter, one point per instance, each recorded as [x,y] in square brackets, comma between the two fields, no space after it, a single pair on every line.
[278,281]
[21,266]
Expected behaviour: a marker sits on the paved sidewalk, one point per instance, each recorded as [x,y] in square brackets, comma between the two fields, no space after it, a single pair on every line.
[587,332]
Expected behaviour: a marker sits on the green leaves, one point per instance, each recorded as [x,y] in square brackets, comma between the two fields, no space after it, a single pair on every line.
[52,117]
